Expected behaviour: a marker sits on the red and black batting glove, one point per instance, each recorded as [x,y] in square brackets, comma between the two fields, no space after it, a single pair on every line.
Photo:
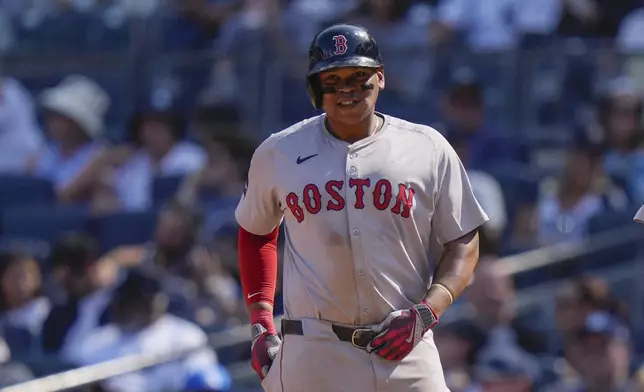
[265,343]
[401,331]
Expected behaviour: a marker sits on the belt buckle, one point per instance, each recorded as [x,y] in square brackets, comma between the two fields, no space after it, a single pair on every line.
[355,335]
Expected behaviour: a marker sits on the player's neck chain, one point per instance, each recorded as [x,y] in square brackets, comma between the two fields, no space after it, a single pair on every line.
[379,125]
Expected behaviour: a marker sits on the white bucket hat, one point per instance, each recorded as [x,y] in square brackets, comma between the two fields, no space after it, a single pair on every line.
[82,100]
[639,217]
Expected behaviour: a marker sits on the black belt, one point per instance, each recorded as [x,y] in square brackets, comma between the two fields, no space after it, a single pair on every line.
[359,337]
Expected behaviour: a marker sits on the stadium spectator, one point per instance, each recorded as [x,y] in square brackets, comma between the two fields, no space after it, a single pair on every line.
[464,116]
[400,29]
[322,12]
[176,233]
[459,343]
[593,18]
[157,148]
[258,20]
[493,299]
[629,37]
[23,307]
[537,22]
[199,287]
[637,384]
[201,22]
[487,27]
[509,369]
[580,298]
[224,174]
[214,379]
[620,118]
[139,8]
[597,358]
[11,372]
[85,281]
[486,188]
[20,137]
[566,205]
[74,123]
[214,119]
[141,325]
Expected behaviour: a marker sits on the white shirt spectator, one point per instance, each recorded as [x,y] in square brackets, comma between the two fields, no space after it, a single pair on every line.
[493,25]
[556,225]
[322,11]
[61,171]
[167,335]
[630,37]
[20,137]
[83,101]
[489,194]
[133,181]
[489,24]
[140,8]
[30,316]
[90,310]
[538,17]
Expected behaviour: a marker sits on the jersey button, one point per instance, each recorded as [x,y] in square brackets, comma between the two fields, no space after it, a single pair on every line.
[352,169]
[353,155]
[356,232]
[361,272]
[365,312]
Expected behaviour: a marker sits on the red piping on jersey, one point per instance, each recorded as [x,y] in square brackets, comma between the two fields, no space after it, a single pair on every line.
[258,266]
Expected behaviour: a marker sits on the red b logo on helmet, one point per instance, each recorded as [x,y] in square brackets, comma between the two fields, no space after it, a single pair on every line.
[340,42]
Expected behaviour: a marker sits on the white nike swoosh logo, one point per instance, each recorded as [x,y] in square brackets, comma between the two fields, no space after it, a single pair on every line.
[411,336]
[252,295]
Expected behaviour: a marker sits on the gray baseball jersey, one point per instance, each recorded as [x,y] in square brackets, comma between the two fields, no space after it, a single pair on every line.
[360,218]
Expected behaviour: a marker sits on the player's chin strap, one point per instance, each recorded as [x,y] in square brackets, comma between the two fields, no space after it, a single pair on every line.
[333,90]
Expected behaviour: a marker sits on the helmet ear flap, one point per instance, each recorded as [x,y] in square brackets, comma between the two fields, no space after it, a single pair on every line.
[314,88]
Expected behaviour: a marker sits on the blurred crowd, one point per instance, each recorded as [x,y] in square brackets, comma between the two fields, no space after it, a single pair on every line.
[126,131]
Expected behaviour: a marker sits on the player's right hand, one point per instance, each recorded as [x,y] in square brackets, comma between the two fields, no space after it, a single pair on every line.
[264,348]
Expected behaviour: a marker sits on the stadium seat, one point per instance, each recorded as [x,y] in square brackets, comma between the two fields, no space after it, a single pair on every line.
[51,34]
[31,35]
[295,102]
[116,84]
[44,364]
[164,188]
[606,222]
[109,31]
[21,342]
[37,83]
[128,228]
[43,221]
[21,190]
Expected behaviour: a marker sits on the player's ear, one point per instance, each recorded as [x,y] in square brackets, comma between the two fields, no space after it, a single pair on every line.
[381,78]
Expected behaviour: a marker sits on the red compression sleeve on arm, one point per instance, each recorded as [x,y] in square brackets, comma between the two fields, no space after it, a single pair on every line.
[258,266]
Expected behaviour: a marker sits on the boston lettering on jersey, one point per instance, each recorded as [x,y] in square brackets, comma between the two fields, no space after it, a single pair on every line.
[311,197]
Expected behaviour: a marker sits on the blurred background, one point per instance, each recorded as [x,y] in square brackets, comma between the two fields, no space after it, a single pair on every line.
[126,130]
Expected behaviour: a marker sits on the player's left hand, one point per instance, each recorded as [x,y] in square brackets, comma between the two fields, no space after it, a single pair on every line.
[401,331]
[264,348]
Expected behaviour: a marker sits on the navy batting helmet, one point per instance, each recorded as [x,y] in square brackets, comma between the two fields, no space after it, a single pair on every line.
[338,46]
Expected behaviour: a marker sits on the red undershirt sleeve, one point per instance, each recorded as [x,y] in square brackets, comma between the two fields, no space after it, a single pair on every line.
[258,265]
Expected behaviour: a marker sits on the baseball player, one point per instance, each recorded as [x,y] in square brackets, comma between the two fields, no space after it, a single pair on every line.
[365,198]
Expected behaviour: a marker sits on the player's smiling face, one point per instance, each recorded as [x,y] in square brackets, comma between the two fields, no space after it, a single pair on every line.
[351,103]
